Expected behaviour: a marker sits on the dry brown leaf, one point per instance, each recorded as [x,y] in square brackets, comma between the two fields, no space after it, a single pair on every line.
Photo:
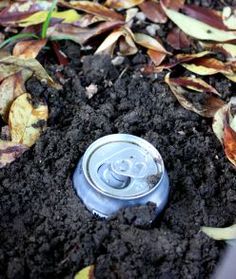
[122,4]
[85,273]
[27,122]
[153,11]
[156,51]
[156,56]
[177,39]
[28,49]
[126,46]
[195,84]
[230,144]
[224,127]
[80,35]
[9,151]
[94,9]
[199,99]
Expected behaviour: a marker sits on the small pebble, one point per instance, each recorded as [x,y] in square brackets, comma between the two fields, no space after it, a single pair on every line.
[140,16]
[118,60]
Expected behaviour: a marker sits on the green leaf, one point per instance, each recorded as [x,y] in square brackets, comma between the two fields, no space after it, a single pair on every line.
[47,21]
[18,36]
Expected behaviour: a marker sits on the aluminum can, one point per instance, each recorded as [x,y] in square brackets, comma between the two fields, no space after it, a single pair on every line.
[121,170]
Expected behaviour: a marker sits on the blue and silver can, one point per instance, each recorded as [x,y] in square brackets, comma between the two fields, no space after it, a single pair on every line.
[118,171]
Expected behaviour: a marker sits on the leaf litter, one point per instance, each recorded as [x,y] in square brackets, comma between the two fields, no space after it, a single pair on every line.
[26,122]
[213,30]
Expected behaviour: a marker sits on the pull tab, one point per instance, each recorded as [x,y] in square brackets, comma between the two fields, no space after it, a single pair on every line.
[129,163]
[133,162]
[111,178]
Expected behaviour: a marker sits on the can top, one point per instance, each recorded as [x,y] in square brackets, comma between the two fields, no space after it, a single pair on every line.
[123,166]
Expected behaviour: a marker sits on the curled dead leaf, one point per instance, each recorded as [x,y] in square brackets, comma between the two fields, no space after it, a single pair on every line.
[149,42]
[10,151]
[28,49]
[228,233]
[224,127]
[156,51]
[86,273]
[27,122]
[195,94]
[127,46]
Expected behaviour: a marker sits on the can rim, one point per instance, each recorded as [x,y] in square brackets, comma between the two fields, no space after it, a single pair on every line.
[114,138]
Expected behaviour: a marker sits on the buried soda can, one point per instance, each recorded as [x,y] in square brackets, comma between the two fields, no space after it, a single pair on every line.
[121,170]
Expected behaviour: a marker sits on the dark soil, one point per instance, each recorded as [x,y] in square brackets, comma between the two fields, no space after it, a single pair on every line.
[46,231]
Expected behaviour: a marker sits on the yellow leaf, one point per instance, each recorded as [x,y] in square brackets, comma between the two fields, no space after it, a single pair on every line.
[68,16]
[228,233]
[200,70]
[11,65]
[231,77]
[85,273]
[26,122]
[10,88]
